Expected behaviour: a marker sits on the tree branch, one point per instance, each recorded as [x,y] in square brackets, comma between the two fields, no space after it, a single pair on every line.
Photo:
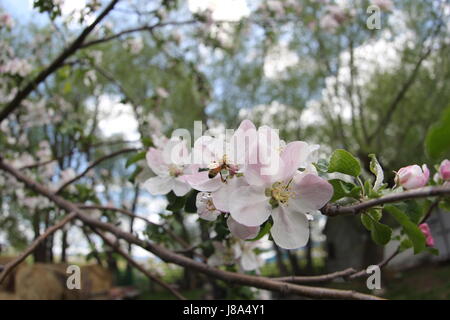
[94,164]
[332,210]
[151,276]
[315,279]
[137,29]
[173,235]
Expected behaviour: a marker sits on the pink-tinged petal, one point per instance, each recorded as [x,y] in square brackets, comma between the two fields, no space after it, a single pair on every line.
[208,149]
[250,206]
[240,231]
[200,181]
[412,177]
[290,229]
[293,155]
[246,125]
[180,187]
[222,196]
[156,162]
[426,174]
[311,192]
[444,170]
[253,176]
[404,174]
[176,152]
[262,173]
[191,169]
[268,138]
[427,232]
[159,185]
[242,142]
[269,147]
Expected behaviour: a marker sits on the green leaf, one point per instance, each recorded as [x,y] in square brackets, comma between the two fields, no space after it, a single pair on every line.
[344,162]
[135,173]
[411,230]
[67,87]
[437,142]
[344,189]
[322,165]
[263,231]
[147,142]
[380,233]
[135,158]
[405,245]
[191,200]
[367,217]
[445,204]
[433,251]
[377,170]
[175,203]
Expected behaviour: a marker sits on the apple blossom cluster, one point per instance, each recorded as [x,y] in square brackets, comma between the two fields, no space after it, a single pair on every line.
[414,176]
[251,176]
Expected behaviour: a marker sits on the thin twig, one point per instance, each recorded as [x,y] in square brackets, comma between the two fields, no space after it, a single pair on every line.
[94,164]
[316,279]
[383,263]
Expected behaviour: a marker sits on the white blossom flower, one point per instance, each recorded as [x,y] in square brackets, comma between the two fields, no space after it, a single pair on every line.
[287,196]
[170,172]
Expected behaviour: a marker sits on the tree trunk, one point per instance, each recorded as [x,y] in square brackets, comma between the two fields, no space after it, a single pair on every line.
[309,258]
[64,246]
[279,259]
[40,252]
[293,259]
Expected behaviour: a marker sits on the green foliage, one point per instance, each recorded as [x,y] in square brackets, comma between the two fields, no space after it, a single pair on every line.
[265,229]
[437,142]
[344,189]
[371,214]
[409,228]
[47,6]
[175,203]
[135,158]
[322,166]
[191,198]
[344,162]
[380,233]
[377,170]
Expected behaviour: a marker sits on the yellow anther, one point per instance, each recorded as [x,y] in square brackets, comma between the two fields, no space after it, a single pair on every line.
[175,171]
[282,192]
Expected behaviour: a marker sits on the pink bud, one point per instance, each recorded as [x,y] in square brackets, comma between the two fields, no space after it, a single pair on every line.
[413,176]
[444,170]
[427,232]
